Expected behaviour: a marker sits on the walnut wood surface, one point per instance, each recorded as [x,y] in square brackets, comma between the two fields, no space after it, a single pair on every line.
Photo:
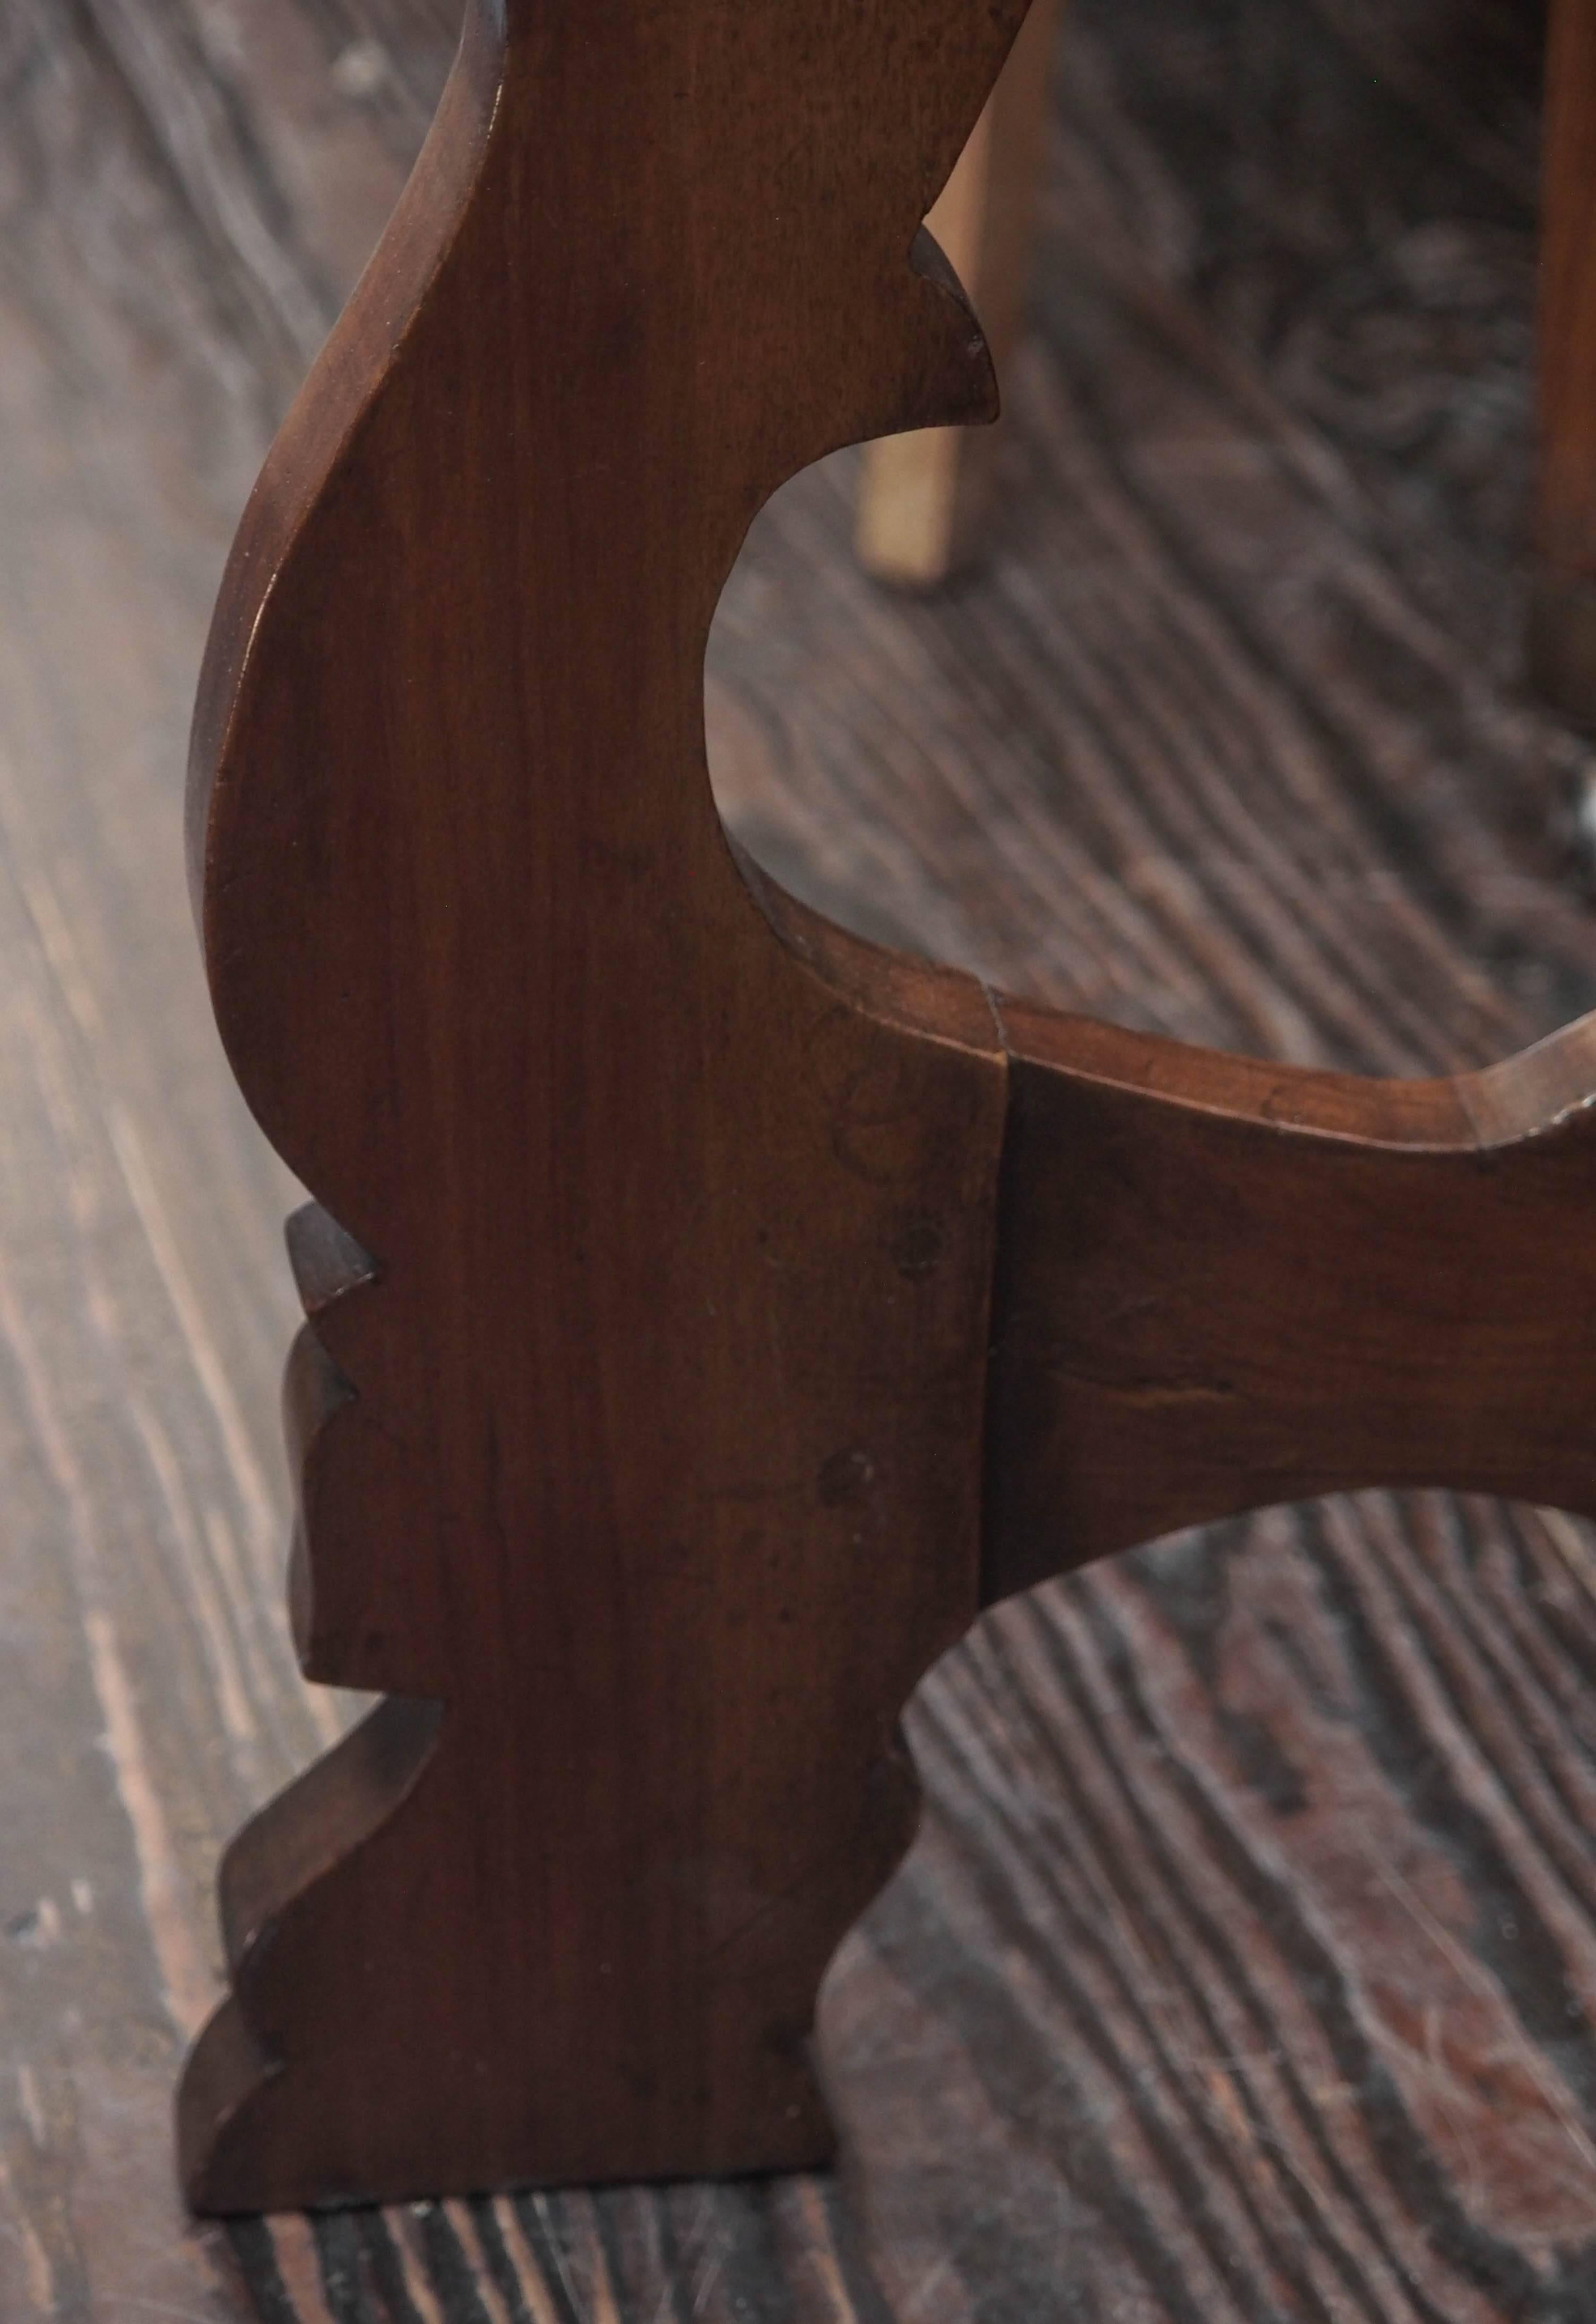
[1224,1284]
[1239,1969]
[647,1441]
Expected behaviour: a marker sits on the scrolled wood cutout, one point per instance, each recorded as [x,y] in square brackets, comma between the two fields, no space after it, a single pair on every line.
[706,1312]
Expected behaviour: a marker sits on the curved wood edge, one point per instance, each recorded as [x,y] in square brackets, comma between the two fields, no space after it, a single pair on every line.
[919,997]
[448,763]
[1222,1284]
[280,1858]
[1521,1096]
[940,373]
[337,393]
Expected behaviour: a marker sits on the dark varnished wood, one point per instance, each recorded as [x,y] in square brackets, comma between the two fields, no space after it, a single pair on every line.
[639,1416]
[594,1450]
[1224,1283]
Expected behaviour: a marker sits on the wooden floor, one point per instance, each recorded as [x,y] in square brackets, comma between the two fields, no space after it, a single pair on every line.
[1246,1966]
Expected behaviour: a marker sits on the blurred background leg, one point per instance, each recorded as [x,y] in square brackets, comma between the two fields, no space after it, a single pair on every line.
[923,495]
[1562,644]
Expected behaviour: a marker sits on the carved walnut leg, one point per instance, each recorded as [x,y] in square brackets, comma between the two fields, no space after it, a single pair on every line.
[704,1311]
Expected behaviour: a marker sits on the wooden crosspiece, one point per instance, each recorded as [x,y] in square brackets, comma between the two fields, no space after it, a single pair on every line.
[708,1312]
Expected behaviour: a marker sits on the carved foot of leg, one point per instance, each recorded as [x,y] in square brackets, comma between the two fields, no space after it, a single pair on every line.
[446,1980]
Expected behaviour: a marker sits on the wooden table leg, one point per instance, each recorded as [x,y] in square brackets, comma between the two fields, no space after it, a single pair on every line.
[922,495]
[1561,639]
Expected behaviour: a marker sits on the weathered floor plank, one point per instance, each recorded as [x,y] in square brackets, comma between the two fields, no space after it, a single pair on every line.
[1246,1968]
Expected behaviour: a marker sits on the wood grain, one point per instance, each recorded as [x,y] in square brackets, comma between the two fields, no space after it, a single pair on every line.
[672,1337]
[1262,1846]
[1224,1283]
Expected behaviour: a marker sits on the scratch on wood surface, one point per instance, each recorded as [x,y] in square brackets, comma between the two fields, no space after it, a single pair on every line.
[40,2276]
[534,2290]
[27,2091]
[85,1186]
[137,2302]
[320,1706]
[261,1505]
[233,1697]
[931,2280]
[187,1988]
[483,2282]
[293,2246]
[59,949]
[401,2219]
[821,2251]
[580,2243]
[1479,1780]
[712,2254]
[1573,1544]
[1479,1980]
[187,102]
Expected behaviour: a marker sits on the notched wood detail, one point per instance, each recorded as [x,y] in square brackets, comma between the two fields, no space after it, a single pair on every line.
[327,1263]
[596,1465]
[359,1619]
[270,1894]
